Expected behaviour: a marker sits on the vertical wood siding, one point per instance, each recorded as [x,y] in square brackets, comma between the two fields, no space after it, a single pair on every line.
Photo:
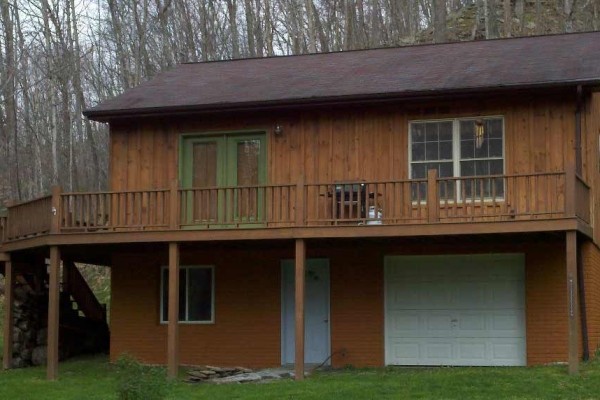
[355,143]
[591,155]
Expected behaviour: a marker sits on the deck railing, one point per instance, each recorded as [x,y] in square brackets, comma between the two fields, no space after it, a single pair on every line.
[128,210]
[550,195]
[381,202]
[28,218]
[238,206]
[502,197]
[3,223]
[582,199]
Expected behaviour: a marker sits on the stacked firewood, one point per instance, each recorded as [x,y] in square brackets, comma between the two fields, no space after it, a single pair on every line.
[207,373]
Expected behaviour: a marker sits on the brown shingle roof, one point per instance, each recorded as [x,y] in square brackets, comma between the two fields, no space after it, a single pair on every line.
[391,72]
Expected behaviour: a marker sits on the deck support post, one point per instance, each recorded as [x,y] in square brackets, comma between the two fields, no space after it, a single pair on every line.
[53,313]
[572,301]
[173,327]
[299,304]
[9,285]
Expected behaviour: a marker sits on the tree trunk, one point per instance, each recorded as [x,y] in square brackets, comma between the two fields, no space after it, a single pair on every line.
[53,128]
[520,13]
[117,32]
[491,25]
[324,43]
[258,31]
[439,21]
[268,29]
[80,104]
[507,18]
[10,96]
[568,15]
[233,28]
[312,34]
[250,27]
[162,12]
[350,25]
[538,17]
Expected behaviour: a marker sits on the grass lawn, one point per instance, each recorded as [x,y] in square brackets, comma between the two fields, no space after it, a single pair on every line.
[94,378]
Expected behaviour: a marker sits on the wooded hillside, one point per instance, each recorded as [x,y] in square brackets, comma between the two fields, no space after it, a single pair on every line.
[58,57]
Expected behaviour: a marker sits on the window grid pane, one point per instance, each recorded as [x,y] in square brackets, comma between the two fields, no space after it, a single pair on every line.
[481,150]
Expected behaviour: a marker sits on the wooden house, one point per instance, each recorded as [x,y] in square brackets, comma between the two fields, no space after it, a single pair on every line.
[424,205]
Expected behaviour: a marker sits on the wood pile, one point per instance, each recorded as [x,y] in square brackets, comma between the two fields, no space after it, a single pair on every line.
[208,373]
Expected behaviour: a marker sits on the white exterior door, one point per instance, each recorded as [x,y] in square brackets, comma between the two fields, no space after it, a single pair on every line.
[455,310]
[316,312]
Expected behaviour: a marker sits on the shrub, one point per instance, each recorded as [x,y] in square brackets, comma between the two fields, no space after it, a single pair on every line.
[140,382]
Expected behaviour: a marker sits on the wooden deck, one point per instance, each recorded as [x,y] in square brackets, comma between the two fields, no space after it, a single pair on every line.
[551,201]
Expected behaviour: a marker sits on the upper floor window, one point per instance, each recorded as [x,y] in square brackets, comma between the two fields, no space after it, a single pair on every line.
[459,148]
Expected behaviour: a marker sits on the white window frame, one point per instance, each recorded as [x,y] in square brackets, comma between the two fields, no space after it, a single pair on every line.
[187,299]
[456,152]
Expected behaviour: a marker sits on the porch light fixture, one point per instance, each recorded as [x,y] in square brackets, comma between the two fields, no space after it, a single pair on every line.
[479,132]
[278,130]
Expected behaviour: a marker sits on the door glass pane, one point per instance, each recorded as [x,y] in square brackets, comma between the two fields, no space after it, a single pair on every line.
[248,152]
[248,161]
[204,175]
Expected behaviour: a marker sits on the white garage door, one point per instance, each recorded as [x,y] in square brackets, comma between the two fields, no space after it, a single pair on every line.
[455,310]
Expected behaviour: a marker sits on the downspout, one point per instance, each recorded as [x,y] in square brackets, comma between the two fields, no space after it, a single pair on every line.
[580,273]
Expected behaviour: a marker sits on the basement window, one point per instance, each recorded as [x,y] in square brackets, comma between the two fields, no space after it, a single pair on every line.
[458,148]
[196,294]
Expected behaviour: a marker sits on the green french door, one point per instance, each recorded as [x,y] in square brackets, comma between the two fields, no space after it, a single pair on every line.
[224,174]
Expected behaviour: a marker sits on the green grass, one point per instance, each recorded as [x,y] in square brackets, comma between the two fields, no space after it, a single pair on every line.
[94,378]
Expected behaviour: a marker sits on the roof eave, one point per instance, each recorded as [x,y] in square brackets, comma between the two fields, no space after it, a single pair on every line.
[110,114]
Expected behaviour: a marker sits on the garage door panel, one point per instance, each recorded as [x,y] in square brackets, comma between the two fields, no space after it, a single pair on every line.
[455,310]
[437,324]
[437,351]
[508,324]
[507,294]
[508,352]
[419,295]
[472,324]
[469,295]
[419,351]
[405,324]
[406,350]
[472,352]
[489,323]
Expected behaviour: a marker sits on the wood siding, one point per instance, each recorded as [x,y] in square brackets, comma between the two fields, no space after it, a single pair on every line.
[338,144]
[247,312]
[591,154]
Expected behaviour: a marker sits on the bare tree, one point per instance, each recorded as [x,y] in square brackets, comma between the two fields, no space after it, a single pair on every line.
[10,94]
[439,21]
[507,18]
